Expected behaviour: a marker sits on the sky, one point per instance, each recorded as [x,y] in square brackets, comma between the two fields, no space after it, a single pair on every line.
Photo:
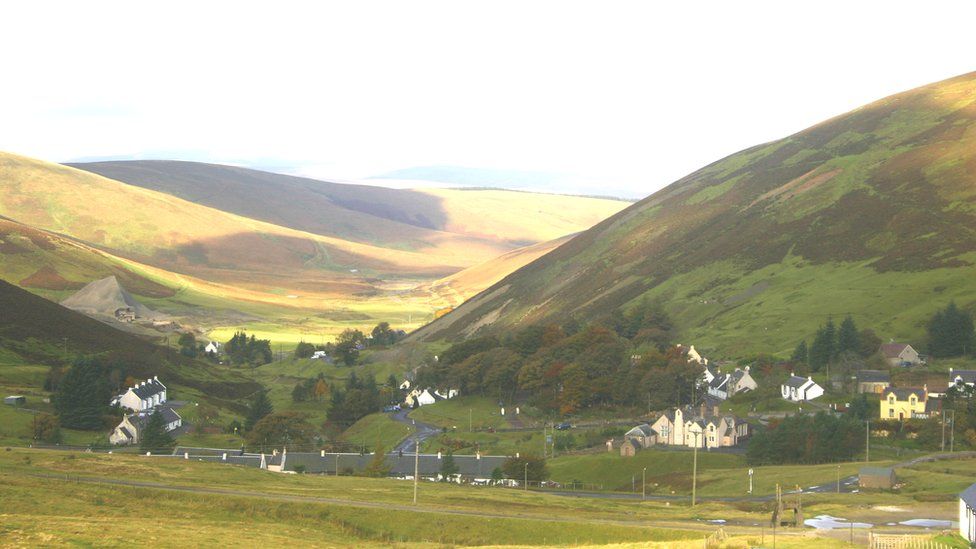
[617,98]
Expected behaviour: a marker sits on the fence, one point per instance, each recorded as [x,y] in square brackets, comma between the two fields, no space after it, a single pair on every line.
[903,541]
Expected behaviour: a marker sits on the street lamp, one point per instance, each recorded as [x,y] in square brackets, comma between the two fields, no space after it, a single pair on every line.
[525,475]
[750,479]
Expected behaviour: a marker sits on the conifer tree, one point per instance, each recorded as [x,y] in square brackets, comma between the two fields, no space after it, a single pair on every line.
[800,353]
[259,408]
[82,396]
[848,338]
[448,467]
[154,437]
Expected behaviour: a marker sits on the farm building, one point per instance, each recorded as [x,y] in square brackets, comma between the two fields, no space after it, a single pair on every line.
[882,478]
[873,381]
[15,400]
[630,447]
[967,514]
[900,354]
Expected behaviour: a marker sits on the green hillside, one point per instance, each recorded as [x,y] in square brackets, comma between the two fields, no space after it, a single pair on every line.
[872,213]
[42,333]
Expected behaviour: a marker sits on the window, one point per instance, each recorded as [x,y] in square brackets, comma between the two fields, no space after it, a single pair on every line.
[891,399]
[891,412]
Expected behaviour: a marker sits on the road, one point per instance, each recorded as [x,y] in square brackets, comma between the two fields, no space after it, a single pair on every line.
[422,432]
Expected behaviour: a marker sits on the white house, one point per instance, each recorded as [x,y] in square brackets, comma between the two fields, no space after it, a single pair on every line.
[425,398]
[962,377]
[799,389]
[405,385]
[212,348]
[967,514]
[143,396]
[132,425]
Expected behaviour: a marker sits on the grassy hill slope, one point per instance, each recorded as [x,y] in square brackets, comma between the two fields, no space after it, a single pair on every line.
[45,333]
[872,213]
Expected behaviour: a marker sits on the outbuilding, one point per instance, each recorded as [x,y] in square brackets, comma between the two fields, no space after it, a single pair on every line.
[15,400]
[879,478]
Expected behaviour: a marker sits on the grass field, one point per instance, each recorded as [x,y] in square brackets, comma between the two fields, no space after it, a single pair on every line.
[375,429]
[464,413]
[233,505]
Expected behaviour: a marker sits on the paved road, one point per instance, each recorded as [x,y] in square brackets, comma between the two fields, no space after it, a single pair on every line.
[422,431]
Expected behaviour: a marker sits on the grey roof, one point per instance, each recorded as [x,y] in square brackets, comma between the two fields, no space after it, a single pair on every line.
[644,429]
[902,393]
[140,419]
[892,350]
[718,381]
[795,381]
[969,496]
[873,376]
[967,376]
[125,432]
[150,388]
[429,464]
[876,471]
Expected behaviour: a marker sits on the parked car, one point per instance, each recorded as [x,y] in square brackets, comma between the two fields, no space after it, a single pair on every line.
[393,408]
[563,426]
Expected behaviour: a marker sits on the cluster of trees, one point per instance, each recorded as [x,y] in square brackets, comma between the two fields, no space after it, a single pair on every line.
[313,388]
[350,342]
[819,438]
[565,369]
[281,430]
[154,437]
[82,396]
[832,344]
[531,466]
[951,332]
[248,350]
[359,398]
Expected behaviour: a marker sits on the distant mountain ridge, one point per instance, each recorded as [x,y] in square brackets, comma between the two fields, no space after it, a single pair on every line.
[871,213]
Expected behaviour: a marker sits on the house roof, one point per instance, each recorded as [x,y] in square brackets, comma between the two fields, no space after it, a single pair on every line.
[140,419]
[876,471]
[967,376]
[148,388]
[644,430]
[903,393]
[933,405]
[893,350]
[873,376]
[796,381]
[969,496]
[125,432]
[429,464]
[718,381]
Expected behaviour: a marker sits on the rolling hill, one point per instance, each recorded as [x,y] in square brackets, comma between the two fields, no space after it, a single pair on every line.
[871,213]
[316,257]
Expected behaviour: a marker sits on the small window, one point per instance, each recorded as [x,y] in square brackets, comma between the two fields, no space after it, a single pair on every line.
[891,412]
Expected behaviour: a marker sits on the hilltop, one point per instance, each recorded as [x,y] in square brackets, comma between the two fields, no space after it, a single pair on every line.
[871,213]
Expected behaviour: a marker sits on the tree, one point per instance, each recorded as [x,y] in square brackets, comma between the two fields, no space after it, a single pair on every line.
[448,467]
[154,437]
[531,465]
[951,332]
[260,407]
[824,346]
[848,338]
[383,335]
[46,428]
[377,466]
[304,350]
[282,429]
[800,353]
[188,344]
[83,395]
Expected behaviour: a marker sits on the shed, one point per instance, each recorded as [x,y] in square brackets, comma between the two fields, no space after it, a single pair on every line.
[15,400]
[630,447]
[882,478]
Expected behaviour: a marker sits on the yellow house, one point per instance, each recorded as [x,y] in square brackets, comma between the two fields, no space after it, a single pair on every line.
[905,403]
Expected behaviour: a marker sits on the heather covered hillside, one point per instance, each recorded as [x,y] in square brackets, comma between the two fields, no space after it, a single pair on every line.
[871,213]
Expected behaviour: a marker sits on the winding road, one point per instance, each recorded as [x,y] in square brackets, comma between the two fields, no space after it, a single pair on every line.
[422,432]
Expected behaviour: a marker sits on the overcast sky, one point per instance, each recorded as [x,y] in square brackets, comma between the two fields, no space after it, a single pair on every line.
[614,97]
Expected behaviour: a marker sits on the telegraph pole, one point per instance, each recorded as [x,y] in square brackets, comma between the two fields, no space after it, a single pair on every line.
[644,484]
[952,432]
[694,473]
[416,467]
[867,441]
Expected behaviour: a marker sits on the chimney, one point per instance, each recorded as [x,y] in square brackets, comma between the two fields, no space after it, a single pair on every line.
[702,408]
[186,455]
[715,410]
[224,457]
[323,453]
[438,454]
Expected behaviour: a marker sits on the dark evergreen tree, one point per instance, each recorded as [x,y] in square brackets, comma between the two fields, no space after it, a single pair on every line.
[951,332]
[83,395]
[304,350]
[448,467]
[154,437]
[260,407]
[824,345]
[800,353]
[848,338]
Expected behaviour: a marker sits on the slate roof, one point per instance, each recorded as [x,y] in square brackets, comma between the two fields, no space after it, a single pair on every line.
[719,381]
[873,376]
[933,405]
[140,419]
[902,393]
[151,387]
[969,496]
[892,350]
[429,464]
[795,381]
[968,376]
